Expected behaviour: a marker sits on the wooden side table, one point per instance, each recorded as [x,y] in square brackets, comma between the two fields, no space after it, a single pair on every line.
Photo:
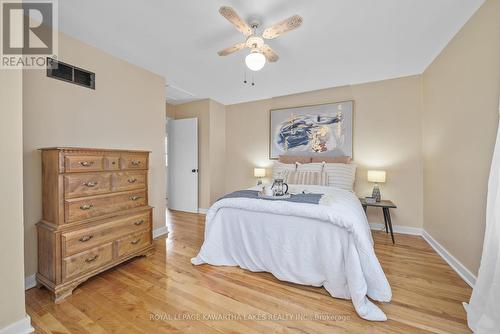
[385,205]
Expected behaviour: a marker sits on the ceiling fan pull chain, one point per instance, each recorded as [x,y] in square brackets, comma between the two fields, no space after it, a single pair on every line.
[253,81]
[245,77]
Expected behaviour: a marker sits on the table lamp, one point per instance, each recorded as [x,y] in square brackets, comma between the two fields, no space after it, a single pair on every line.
[259,173]
[376,176]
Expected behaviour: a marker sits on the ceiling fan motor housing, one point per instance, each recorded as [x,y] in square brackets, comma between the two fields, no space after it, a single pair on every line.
[254,42]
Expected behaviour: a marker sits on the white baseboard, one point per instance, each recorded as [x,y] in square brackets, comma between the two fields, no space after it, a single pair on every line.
[398,229]
[29,282]
[22,326]
[461,270]
[158,232]
[202,211]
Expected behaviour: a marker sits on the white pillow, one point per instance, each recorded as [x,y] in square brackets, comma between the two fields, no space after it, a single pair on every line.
[279,168]
[305,177]
[340,175]
[311,167]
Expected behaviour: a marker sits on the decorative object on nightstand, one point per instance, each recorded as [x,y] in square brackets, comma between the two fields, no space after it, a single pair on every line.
[385,205]
[376,176]
[259,173]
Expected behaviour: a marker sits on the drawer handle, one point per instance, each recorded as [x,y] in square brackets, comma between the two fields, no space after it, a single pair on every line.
[134,198]
[140,222]
[132,180]
[85,238]
[92,259]
[86,163]
[90,184]
[135,162]
[86,207]
[135,242]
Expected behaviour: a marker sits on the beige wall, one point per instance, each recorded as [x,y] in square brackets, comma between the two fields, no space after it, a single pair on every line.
[460,119]
[126,110]
[387,135]
[170,110]
[217,150]
[211,145]
[11,199]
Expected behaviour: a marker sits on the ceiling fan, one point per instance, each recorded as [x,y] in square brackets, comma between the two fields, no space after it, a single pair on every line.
[259,50]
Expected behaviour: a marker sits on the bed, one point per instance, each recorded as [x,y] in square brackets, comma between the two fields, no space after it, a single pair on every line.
[327,244]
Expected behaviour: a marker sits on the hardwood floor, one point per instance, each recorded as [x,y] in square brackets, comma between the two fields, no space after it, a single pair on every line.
[140,296]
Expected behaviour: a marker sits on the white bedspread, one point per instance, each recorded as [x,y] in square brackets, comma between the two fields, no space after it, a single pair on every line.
[326,245]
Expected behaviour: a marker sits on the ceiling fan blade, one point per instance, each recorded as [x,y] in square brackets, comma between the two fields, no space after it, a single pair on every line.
[232,17]
[269,53]
[231,49]
[282,27]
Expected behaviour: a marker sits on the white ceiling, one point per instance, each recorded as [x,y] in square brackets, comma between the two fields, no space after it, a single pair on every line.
[341,42]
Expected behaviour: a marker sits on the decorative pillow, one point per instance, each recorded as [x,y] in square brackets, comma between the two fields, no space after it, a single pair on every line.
[340,175]
[305,177]
[279,168]
[291,159]
[339,160]
[312,167]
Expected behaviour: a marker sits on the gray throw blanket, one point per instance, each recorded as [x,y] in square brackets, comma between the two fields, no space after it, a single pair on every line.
[297,198]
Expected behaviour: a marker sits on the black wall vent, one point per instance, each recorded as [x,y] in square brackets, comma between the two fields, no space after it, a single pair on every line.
[69,73]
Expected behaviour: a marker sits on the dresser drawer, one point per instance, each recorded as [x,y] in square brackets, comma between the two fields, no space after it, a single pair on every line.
[77,241]
[129,180]
[132,243]
[134,161]
[86,261]
[85,208]
[83,163]
[83,184]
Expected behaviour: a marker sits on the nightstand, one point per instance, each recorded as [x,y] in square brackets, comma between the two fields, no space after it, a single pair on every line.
[386,206]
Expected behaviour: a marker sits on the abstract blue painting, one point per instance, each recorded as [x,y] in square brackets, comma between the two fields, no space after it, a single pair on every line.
[321,130]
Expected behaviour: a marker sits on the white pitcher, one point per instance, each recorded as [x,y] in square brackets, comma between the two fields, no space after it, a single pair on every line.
[267,190]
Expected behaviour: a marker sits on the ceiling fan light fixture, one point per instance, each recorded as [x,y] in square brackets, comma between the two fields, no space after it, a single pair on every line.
[255,61]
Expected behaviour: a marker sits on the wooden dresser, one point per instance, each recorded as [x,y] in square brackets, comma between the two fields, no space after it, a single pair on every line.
[95,214]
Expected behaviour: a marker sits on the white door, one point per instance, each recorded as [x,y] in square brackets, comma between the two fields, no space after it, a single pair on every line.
[183,164]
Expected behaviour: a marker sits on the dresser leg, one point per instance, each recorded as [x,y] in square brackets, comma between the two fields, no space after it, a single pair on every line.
[66,291]
[62,294]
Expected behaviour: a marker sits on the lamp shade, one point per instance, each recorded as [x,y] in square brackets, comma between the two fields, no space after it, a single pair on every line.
[377,176]
[259,172]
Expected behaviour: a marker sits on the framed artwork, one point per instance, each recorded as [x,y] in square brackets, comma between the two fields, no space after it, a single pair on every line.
[320,130]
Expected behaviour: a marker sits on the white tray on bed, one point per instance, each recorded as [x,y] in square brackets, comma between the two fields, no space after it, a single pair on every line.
[286,196]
